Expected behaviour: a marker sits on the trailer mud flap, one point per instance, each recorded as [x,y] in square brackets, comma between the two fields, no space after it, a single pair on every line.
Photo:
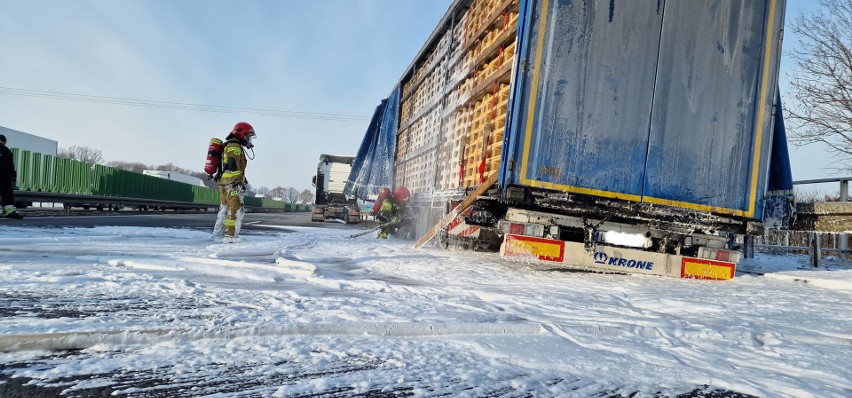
[611,259]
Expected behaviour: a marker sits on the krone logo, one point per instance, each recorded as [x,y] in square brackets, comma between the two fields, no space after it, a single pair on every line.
[600,258]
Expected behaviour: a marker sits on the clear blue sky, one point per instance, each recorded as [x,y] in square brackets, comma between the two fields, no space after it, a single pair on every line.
[329,57]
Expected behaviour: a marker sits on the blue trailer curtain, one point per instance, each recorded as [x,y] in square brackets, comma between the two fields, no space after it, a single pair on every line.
[780,175]
[779,210]
[373,166]
[658,102]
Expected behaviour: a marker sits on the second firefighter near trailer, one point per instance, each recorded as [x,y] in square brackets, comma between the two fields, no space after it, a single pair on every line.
[390,210]
[232,184]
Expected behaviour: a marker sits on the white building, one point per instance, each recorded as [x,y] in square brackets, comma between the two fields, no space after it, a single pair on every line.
[28,142]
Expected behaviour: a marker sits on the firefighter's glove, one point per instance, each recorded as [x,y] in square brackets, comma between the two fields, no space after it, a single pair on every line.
[238,186]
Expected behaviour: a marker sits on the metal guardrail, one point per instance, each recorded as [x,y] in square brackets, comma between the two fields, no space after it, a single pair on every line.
[844,184]
[842,239]
[101,202]
[814,219]
[799,248]
[255,205]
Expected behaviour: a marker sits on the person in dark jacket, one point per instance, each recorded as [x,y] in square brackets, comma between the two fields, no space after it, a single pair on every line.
[8,176]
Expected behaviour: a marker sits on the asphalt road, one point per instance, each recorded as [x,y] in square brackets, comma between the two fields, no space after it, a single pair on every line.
[11,305]
[199,220]
[231,379]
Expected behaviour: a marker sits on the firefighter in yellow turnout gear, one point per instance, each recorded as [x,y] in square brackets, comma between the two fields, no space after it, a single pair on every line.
[388,213]
[232,184]
[390,210]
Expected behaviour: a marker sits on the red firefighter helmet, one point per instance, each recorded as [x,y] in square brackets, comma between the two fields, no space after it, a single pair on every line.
[401,193]
[243,129]
[384,193]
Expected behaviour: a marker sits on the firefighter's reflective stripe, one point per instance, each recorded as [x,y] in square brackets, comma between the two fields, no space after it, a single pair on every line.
[232,157]
[233,150]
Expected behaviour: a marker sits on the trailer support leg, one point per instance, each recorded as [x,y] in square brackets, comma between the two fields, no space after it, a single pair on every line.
[748,246]
[813,248]
[843,239]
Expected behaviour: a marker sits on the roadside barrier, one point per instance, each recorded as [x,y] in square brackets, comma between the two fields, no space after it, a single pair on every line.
[54,178]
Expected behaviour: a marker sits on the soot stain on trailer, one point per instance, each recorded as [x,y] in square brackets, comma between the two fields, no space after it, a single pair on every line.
[611,10]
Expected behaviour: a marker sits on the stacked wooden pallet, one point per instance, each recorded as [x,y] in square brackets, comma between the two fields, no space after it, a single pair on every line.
[420,117]
[454,101]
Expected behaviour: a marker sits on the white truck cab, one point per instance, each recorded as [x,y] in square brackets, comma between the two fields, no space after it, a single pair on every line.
[330,203]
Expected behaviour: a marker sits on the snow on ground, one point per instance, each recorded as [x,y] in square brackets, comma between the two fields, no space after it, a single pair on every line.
[167,312]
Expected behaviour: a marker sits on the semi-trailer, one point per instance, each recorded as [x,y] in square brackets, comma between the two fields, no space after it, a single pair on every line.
[621,136]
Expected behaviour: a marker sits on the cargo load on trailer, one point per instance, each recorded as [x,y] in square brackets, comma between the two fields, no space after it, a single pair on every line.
[330,202]
[619,136]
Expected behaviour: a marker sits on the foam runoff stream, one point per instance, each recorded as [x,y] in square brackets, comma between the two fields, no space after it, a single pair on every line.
[83,340]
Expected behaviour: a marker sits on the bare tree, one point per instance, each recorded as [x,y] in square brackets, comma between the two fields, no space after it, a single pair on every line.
[277,192]
[292,195]
[263,191]
[135,167]
[81,153]
[822,83]
[307,196]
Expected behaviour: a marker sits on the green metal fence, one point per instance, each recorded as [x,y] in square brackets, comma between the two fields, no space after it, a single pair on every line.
[45,173]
